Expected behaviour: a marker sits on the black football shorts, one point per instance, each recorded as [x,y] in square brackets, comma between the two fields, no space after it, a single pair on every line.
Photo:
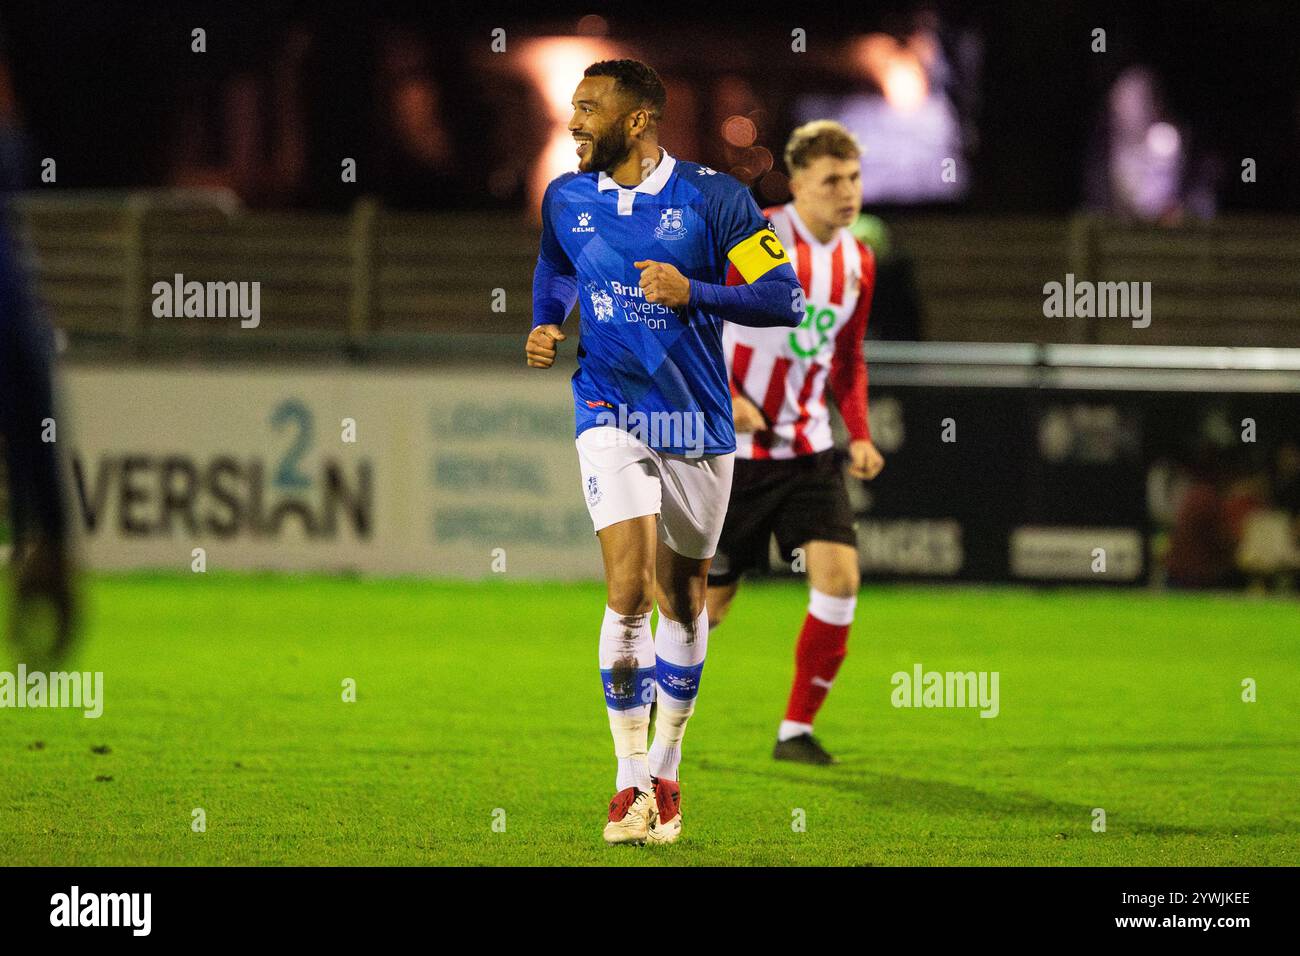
[798,499]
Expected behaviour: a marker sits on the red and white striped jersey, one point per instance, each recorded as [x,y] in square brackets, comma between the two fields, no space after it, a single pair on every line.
[784,371]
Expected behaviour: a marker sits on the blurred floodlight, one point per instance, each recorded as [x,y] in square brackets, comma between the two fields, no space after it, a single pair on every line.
[903,149]
[555,65]
[895,68]
[904,86]
[1163,140]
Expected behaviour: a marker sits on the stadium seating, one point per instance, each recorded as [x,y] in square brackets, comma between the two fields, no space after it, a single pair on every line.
[372,277]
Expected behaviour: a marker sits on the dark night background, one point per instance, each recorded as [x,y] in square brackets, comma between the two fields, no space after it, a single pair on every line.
[108,89]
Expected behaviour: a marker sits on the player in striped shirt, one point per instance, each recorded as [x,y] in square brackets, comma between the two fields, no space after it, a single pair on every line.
[787,480]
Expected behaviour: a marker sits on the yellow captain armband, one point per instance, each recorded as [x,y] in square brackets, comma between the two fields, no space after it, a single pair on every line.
[758,254]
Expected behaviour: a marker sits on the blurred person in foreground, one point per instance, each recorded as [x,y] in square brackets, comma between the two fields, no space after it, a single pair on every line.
[43,618]
[42,609]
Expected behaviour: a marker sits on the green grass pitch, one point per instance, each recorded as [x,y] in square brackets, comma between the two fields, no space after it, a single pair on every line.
[480,704]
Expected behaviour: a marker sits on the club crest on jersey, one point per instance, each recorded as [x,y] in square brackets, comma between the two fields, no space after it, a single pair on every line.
[584,223]
[672,224]
[602,303]
[593,491]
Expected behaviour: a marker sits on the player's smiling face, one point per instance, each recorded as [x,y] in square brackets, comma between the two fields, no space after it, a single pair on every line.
[600,124]
[828,191]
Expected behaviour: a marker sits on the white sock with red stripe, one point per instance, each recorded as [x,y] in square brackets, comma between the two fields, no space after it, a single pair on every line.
[818,655]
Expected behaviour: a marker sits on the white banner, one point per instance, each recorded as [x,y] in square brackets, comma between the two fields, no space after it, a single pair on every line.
[438,473]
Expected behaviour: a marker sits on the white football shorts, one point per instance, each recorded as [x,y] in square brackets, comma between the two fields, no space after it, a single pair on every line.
[623,477]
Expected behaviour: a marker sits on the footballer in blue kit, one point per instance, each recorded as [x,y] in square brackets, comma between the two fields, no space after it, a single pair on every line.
[641,241]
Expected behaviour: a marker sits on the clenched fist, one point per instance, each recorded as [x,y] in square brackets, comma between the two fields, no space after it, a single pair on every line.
[662,283]
[541,344]
[864,460]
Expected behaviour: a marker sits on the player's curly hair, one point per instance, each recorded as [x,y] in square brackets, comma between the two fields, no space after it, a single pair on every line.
[637,80]
[820,138]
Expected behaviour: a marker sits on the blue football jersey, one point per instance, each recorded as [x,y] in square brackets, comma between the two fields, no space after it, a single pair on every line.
[642,357]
